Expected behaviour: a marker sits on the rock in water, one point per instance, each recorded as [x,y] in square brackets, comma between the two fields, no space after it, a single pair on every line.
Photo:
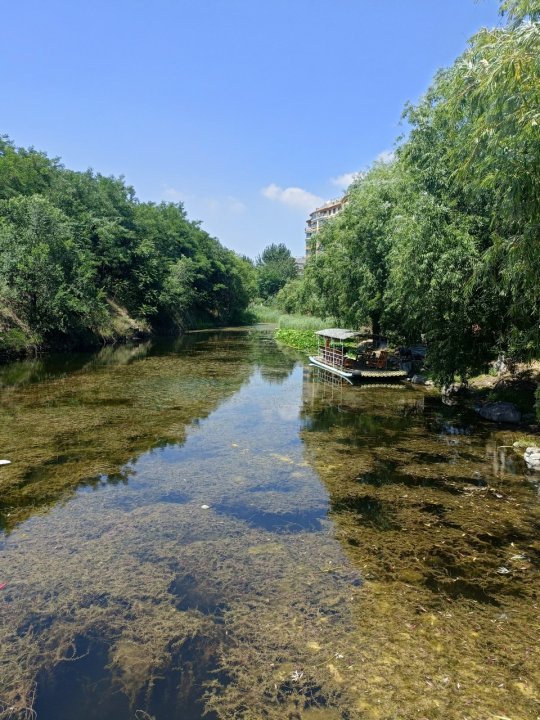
[454,390]
[504,412]
[532,457]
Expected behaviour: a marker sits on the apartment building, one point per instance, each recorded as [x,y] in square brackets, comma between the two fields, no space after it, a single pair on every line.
[318,218]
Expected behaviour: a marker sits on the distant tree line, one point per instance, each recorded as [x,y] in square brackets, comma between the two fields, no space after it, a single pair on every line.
[443,243]
[73,243]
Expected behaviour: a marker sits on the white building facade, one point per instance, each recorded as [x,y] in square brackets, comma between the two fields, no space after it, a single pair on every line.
[317,220]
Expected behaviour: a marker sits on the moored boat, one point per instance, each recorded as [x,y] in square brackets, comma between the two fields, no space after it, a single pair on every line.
[334,357]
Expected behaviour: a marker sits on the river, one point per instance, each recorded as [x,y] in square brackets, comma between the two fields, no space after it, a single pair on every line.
[206,526]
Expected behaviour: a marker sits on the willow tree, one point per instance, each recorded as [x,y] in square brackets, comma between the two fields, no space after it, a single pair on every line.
[350,270]
[490,100]
[445,242]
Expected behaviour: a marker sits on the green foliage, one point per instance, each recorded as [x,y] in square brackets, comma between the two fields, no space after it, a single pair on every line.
[350,271]
[304,340]
[14,340]
[24,172]
[298,331]
[444,243]
[482,118]
[45,277]
[265,313]
[71,241]
[275,266]
[519,10]
[302,295]
[304,322]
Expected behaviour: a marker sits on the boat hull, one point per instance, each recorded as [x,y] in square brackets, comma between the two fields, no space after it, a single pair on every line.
[357,374]
[345,374]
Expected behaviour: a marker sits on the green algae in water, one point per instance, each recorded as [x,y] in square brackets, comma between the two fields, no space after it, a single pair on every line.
[77,428]
[393,606]
[451,591]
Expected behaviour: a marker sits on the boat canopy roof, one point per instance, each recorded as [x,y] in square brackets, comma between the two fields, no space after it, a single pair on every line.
[338,334]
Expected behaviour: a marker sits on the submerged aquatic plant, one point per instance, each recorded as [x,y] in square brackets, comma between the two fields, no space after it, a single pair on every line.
[210,580]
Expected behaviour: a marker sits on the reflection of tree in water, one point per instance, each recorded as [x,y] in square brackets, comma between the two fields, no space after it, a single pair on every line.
[212,581]
[247,345]
[56,365]
[68,420]
[81,417]
[275,374]
[214,586]
[327,405]
[275,362]
[446,540]
[121,355]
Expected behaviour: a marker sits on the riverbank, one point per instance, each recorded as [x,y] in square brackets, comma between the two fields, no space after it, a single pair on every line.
[18,340]
[294,331]
[521,386]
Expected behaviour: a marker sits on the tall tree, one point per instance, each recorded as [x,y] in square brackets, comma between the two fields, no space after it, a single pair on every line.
[483,116]
[48,280]
[350,269]
[275,266]
[70,240]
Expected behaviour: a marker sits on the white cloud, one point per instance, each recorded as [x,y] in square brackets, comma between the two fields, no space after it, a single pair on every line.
[234,205]
[294,197]
[386,156]
[173,195]
[228,204]
[343,181]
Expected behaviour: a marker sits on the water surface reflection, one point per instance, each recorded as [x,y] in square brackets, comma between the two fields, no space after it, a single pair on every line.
[238,539]
[443,522]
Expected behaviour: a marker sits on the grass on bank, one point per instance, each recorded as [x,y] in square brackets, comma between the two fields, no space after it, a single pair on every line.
[265,313]
[298,331]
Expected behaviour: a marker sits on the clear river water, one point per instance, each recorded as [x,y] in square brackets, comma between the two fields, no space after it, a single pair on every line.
[207,527]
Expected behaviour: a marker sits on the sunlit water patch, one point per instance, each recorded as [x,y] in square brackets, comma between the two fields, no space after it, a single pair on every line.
[168,584]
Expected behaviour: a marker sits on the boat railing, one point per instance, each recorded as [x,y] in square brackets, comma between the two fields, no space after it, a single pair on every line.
[333,356]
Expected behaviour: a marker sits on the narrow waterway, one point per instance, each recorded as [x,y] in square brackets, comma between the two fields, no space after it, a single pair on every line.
[207,527]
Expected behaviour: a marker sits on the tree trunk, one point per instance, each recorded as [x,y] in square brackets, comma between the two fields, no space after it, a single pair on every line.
[376,323]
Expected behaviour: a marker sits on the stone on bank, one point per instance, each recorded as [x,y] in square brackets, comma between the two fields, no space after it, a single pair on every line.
[500,411]
[532,458]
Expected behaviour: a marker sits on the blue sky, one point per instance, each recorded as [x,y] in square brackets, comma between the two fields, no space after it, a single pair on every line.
[247,111]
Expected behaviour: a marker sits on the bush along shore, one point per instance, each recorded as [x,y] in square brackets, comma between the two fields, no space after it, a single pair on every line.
[83,262]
